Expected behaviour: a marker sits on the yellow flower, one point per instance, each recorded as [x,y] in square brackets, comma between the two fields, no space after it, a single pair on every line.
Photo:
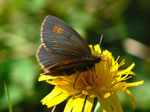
[102,82]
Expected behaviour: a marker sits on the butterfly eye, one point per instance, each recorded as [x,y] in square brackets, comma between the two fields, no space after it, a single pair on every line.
[57,29]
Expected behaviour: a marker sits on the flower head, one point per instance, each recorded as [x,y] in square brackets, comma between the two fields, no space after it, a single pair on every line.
[102,81]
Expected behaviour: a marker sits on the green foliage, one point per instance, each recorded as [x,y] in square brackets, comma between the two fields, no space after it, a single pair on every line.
[117,20]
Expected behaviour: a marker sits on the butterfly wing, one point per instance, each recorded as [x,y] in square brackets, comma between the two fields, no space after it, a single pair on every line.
[59,64]
[71,66]
[47,59]
[59,38]
[63,50]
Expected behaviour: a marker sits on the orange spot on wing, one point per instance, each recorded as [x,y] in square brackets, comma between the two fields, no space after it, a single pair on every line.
[57,29]
[54,40]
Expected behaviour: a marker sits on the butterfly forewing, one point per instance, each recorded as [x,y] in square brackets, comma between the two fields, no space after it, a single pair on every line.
[60,38]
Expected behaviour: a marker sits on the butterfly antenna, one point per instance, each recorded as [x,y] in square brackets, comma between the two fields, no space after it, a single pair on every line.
[100,41]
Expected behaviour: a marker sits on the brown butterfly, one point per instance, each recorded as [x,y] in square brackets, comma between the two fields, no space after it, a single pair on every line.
[63,50]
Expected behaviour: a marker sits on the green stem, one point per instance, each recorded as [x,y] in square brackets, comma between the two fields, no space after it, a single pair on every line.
[8,98]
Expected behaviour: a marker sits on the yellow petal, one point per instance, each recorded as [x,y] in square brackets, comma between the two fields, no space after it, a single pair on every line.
[68,89]
[115,103]
[58,99]
[135,83]
[88,104]
[69,105]
[92,51]
[107,53]
[101,69]
[78,104]
[132,73]
[97,48]
[91,47]
[55,92]
[54,98]
[106,95]
[45,77]
[122,72]
[57,82]
[104,104]
[131,97]
[52,82]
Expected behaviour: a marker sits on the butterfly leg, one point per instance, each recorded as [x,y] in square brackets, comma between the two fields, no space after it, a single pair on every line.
[75,80]
[53,109]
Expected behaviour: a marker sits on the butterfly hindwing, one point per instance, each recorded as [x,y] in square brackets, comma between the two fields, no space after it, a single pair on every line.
[59,64]
[47,59]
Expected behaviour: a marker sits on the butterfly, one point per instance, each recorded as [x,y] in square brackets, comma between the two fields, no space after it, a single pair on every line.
[63,51]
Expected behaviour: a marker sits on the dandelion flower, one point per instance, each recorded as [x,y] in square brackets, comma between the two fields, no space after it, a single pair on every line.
[102,81]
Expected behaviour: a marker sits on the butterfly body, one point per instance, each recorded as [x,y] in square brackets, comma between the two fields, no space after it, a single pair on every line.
[63,50]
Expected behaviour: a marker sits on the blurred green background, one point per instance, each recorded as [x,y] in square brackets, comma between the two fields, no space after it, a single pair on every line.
[125,25]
